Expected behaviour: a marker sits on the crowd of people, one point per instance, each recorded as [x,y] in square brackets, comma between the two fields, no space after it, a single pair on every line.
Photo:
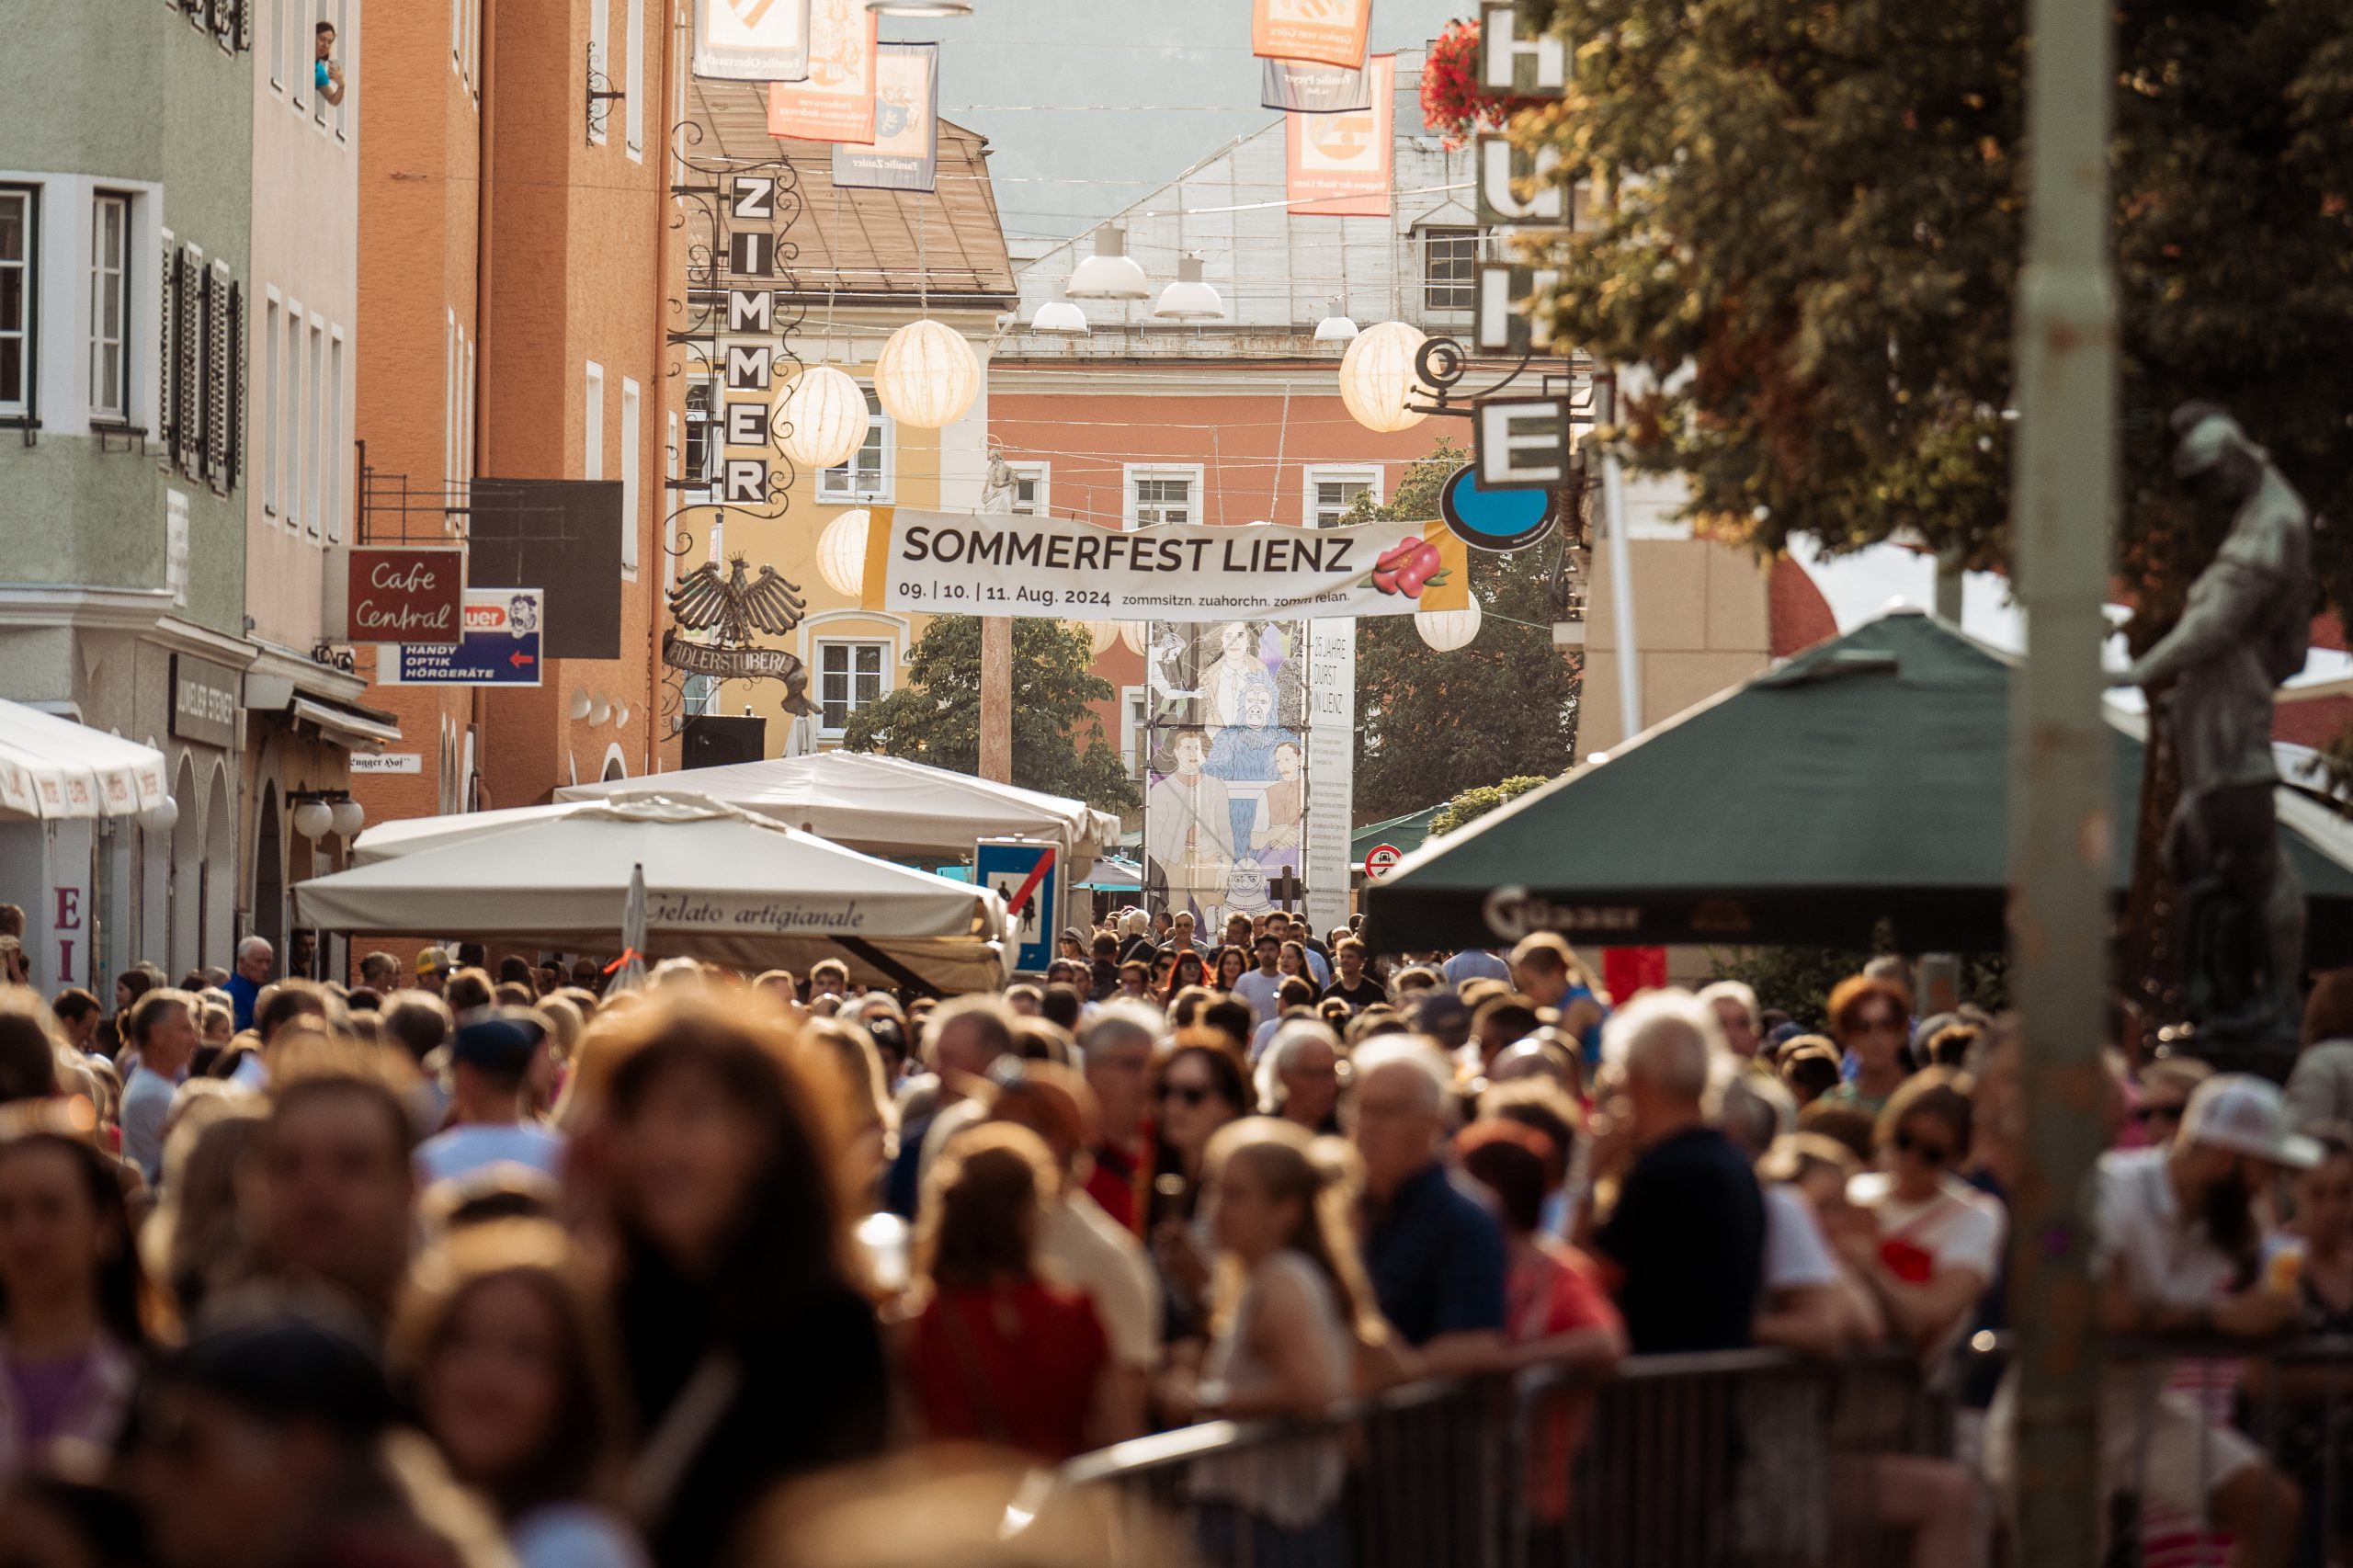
[473,1261]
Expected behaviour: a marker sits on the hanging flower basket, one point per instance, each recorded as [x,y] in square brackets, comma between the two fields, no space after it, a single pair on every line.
[1452,103]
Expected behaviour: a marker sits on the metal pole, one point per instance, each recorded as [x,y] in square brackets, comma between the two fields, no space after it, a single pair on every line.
[1622,594]
[2064,477]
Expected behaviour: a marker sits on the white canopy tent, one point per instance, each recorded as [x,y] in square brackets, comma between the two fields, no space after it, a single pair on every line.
[53,769]
[720,884]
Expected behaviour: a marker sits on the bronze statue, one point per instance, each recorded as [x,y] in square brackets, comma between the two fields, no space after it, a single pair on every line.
[2245,629]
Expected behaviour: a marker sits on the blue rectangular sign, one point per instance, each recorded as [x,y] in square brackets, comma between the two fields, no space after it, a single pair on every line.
[1011,867]
[500,645]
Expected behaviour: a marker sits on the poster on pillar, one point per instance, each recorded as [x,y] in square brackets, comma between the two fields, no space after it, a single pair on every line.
[904,153]
[1341,166]
[836,101]
[1225,828]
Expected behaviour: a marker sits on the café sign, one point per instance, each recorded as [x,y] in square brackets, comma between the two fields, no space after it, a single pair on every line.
[411,594]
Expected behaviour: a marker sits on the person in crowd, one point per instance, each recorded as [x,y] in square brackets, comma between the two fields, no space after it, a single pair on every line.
[1502,1018]
[1684,1244]
[1872,1021]
[1735,1005]
[1294,999]
[997,1353]
[1197,1089]
[334,1195]
[28,1048]
[1184,971]
[1115,1047]
[1352,984]
[1299,1076]
[380,973]
[1227,965]
[1802,1303]
[963,1038]
[1295,1320]
[1434,1253]
[2166,1085]
[490,1060]
[843,1057]
[255,962]
[1554,1311]
[1261,988]
[829,977]
[1181,933]
[1292,960]
[75,1312]
[434,968]
[734,1262]
[128,987]
[1135,981]
[163,1032]
[53,1522]
[2320,1086]
[199,1244]
[1023,1000]
[78,1017]
[2308,1424]
[514,1371]
[1474,963]
[1104,963]
[1939,1241]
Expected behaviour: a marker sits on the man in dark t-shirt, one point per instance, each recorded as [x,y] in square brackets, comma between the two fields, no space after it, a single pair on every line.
[1351,984]
[1684,1246]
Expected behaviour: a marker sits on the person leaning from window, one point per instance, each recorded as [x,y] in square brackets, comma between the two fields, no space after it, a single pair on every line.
[326,76]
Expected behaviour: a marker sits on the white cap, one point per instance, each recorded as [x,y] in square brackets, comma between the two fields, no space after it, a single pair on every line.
[2245,1115]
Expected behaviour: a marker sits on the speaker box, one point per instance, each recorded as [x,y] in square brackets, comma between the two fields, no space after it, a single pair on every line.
[713,742]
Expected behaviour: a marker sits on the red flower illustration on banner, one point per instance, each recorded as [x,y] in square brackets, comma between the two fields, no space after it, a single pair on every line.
[1408,567]
[1452,103]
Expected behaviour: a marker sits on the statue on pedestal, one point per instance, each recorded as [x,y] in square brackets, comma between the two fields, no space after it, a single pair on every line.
[2244,628]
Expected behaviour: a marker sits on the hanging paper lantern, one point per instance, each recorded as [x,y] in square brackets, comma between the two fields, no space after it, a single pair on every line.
[1376,377]
[1132,633]
[1102,633]
[823,418]
[926,375]
[1447,629]
[841,553]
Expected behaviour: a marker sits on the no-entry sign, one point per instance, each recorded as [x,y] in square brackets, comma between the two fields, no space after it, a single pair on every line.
[1382,859]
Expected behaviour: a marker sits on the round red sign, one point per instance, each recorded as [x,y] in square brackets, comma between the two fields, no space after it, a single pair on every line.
[1382,861]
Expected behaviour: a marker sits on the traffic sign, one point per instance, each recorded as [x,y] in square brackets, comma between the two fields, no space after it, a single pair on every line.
[1493,519]
[501,645]
[1382,861]
[1028,875]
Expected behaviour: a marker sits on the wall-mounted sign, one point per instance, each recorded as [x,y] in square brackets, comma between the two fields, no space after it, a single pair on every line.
[501,645]
[388,762]
[733,607]
[1522,442]
[1518,63]
[1300,87]
[751,40]
[204,701]
[1519,188]
[962,563]
[1493,519]
[401,593]
[1335,33]
[1500,322]
[905,153]
[836,102]
[1341,166]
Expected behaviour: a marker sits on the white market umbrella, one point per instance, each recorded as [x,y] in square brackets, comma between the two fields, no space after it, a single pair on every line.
[52,768]
[720,884]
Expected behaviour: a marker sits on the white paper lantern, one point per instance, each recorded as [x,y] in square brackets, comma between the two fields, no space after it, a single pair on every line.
[165,814]
[822,416]
[1376,377]
[841,553]
[926,375]
[1447,629]
[1102,633]
[312,818]
[1132,633]
[348,817]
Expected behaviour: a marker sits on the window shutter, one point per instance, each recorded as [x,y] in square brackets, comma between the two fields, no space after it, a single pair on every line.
[216,369]
[166,348]
[188,427]
[232,443]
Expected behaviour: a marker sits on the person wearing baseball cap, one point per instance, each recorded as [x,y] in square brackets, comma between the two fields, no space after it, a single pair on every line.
[490,1060]
[2177,1250]
[433,968]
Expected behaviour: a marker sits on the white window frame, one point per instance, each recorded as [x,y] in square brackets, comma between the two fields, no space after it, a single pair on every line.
[1130,473]
[1041,498]
[448,397]
[888,661]
[278,42]
[600,55]
[701,494]
[634,106]
[1132,741]
[314,417]
[350,48]
[1423,240]
[840,483]
[290,490]
[271,313]
[632,413]
[466,402]
[1336,473]
[113,276]
[592,453]
[333,488]
[28,334]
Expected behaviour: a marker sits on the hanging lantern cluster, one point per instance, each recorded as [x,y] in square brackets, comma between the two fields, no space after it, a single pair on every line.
[926,376]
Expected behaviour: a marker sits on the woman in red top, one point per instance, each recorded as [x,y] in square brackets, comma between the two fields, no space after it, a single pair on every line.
[997,1353]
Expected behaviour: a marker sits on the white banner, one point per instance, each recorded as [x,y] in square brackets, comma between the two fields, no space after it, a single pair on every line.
[1330,770]
[751,40]
[1059,568]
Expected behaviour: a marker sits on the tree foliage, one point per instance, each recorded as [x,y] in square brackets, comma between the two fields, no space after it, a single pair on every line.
[1430,725]
[1058,741]
[1470,805]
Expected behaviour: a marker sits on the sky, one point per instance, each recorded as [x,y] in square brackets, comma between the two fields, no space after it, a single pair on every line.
[1091,104]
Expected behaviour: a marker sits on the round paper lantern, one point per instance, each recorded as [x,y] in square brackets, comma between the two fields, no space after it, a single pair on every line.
[841,553]
[1102,633]
[1132,633]
[926,375]
[822,416]
[1447,629]
[1377,376]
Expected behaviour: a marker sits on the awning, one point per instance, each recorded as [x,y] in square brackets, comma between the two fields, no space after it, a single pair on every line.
[346,724]
[1404,834]
[52,767]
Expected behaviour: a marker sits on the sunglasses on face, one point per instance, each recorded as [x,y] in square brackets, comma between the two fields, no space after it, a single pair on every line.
[1185,1094]
[1879,1026]
[1931,1154]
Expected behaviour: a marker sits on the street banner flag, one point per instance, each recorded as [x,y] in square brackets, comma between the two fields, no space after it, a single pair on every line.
[1330,32]
[904,153]
[1300,87]
[751,40]
[1342,166]
[836,102]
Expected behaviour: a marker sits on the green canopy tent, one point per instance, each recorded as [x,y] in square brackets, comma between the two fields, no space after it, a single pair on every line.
[1864,779]
[1405,833]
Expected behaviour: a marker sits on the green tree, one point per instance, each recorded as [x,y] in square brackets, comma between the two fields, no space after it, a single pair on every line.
[1058,743]
[1430,725]
[1471,805]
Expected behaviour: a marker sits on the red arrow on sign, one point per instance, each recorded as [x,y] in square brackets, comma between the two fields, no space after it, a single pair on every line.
[518,660]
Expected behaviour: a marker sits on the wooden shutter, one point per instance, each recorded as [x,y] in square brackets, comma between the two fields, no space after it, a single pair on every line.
[168,384]
[188,427]
[219,366]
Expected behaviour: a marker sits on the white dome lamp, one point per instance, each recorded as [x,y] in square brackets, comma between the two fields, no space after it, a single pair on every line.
[822,416]
[1062,318]
[1110,273]
[620,717]
[580,702]
[1447,630]
[1335,326]
[1378,378]
[161,817]
[599,710]
[347,816]
[312,819]
[926,376]
[841,553]
[1189,299]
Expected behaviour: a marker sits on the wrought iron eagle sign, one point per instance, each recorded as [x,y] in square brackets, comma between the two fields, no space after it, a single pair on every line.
[733,608]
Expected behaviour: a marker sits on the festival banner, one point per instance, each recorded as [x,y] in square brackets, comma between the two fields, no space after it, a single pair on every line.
[1332,32]
[1341,166]
[1060,568]
[904,153]
[836,103]
[751,40]
[1299,86]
